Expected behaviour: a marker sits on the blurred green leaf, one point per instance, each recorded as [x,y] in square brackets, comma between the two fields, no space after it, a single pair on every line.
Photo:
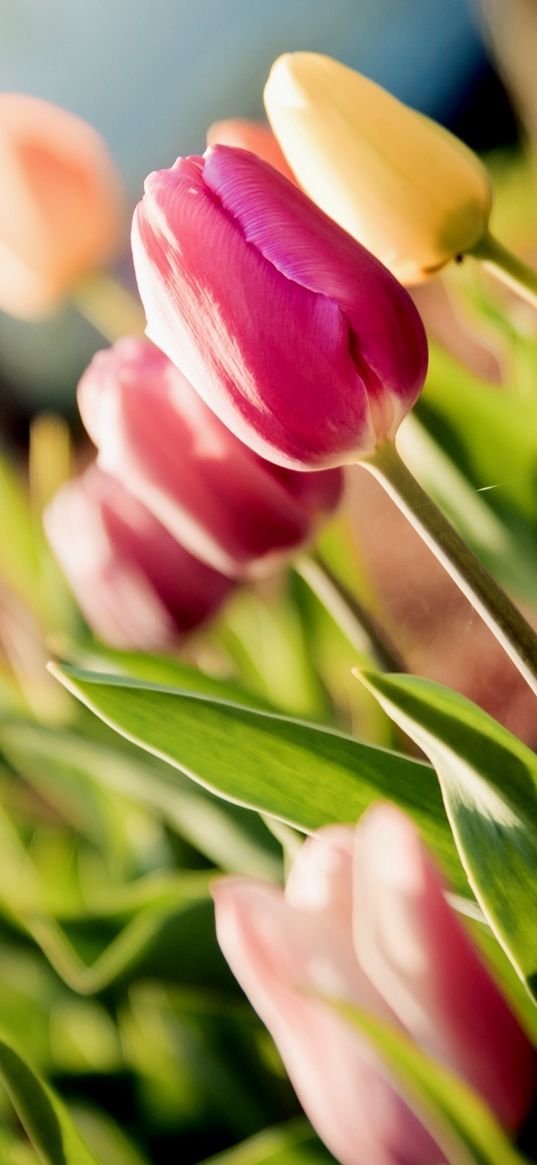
[46,1122]
[491,436]
[456,1117]
[105,1138]
[267,643]
[156,901]
[14,1151]
[505,546]
[163,669]
[64,765]
[294,1143]
[302,774]
[17,531]
[489,782]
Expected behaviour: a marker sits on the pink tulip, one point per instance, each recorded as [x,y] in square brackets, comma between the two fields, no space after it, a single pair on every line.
[299,340]
[225,504]
[60,203]
[363,918]
[253,136]
[137,587]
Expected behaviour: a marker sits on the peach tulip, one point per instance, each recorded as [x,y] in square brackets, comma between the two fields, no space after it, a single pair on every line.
[60,204]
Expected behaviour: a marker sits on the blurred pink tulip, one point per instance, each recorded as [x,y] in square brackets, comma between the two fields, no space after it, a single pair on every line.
[60,203]
[364,919]
[253,136]
[136,586]
[225,504]
[299,340]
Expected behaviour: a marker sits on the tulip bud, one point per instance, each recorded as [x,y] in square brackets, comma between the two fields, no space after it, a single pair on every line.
[363,919]
[60,204]
[402,185]
[136,586]
[253,136]
[225,504]
[294,335]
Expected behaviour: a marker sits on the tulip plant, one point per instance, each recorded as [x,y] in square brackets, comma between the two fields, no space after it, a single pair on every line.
[266,895]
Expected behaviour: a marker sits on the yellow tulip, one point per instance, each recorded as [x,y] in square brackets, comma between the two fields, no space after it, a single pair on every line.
[406,188]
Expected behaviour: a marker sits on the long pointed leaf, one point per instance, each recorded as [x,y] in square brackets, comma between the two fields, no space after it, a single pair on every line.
[47,1123]
[299,773]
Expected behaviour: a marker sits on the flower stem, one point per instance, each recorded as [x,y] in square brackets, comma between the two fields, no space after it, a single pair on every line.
[507,267]
[487,598]
[358,625]
[109,307]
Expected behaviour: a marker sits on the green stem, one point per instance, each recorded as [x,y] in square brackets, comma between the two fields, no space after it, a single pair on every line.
[487,598]
[109,307]
[508,267]
[358,625]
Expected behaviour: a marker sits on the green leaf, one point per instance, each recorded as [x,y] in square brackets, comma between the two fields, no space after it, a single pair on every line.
[299,773]
[62,765]
[489,782]
[151,906]
[105,1137]
[46,1122]
[456,1117]
[17,530]
[291,1144]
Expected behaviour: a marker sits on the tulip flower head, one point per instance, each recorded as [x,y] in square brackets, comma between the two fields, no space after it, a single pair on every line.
[302,343]
[227,506]
[364,919]
[60,204]
[136,586]
[402,185]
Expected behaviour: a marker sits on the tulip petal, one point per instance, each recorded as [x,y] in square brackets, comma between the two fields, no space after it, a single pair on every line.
[410,191]
[320,878]
[279,954]
[226,505]
[310,249]
[135,584]
[243,334]
[418,953]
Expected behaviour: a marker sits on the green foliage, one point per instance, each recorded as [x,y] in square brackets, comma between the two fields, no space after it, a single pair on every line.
[302,774]
[46,1122]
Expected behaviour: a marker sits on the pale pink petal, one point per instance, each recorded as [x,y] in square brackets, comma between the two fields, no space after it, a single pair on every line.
[279,954]
[417,952]
[320,878]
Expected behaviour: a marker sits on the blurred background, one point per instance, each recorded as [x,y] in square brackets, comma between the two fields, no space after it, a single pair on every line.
[152,77]
[110,976]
